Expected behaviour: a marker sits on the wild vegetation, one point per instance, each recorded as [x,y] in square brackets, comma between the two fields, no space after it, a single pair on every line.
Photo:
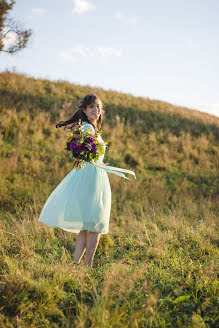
[157,266]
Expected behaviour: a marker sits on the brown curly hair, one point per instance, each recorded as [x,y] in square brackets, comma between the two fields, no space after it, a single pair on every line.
[80,116]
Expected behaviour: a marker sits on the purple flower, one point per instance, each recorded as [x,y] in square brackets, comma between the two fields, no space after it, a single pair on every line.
[84,148]
[94,147]
[72,145]
[91,139]
[77,148]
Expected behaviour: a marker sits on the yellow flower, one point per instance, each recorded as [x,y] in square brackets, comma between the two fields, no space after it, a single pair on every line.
[69,138]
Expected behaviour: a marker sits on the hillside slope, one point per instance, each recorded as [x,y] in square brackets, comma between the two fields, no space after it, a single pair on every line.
[157,265]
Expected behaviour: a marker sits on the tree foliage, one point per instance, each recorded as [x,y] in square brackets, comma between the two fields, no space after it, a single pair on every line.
[13,37]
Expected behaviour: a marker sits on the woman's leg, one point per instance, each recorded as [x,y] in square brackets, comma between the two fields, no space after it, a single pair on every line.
[80,246]
[92,240]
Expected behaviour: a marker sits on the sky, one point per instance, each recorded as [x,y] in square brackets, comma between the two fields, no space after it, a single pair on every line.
[161,49]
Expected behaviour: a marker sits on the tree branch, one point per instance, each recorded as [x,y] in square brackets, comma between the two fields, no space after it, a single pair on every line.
[7,33]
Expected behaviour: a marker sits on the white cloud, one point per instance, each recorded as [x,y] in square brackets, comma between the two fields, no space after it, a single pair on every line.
[107,51]
[39,11]
[68,56]
[190,42]
[132,19]
[82,6]
[118,15]
[76,53]
[121,17]
[10,38]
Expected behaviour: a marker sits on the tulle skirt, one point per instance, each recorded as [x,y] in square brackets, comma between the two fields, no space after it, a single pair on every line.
[81,201]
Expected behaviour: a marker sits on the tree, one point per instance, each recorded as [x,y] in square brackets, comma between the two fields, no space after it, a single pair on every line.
[12,36]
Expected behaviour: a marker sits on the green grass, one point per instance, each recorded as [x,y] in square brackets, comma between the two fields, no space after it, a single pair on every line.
[158,265]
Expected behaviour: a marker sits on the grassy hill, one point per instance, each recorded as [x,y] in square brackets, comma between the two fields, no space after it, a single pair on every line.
[157,266]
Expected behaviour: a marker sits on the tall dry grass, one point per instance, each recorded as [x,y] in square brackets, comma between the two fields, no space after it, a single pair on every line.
[157,267]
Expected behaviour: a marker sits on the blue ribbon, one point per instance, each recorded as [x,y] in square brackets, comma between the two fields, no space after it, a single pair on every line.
[114,170]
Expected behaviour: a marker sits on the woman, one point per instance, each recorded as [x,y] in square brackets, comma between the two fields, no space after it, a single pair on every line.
[81,203]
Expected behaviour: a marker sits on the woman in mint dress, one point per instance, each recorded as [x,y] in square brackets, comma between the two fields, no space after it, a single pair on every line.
[81,203]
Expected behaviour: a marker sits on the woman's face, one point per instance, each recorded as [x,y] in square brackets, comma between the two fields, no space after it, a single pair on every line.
[93,111]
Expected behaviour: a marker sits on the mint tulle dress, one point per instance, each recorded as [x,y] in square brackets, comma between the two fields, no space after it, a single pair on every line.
[82,200]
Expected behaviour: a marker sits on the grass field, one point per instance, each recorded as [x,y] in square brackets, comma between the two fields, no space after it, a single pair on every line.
[158,265]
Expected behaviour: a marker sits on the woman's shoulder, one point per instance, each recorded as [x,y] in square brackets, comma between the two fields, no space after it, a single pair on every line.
[86,125]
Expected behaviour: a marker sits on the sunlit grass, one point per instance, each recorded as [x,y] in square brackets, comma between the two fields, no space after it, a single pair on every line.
[157,266]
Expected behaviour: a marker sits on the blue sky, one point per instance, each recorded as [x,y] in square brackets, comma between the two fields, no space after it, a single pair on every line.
[162,49]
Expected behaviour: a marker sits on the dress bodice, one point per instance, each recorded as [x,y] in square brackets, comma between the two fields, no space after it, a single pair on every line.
[84,127]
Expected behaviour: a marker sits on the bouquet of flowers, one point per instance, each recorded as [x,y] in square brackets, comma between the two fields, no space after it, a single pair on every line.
[83,147]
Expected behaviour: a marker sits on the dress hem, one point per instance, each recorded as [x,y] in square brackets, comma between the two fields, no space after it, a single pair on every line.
[73,230]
